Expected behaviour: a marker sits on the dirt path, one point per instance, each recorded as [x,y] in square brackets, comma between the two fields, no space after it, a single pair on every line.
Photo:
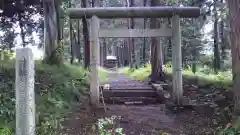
[144,119]
[147,119]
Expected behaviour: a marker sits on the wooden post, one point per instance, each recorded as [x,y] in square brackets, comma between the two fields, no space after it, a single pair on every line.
[25,100]
[94,61]
[177,59]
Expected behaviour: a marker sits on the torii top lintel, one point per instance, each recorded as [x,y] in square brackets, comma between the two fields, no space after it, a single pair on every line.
[135,12]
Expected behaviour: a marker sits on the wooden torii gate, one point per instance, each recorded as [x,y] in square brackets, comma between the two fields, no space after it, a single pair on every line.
[135,12]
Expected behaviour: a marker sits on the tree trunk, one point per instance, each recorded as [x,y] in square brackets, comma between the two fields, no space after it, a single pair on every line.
[22,33]
[62,29]
[78,42]
[234,11]
[51,32]
[194,49]
[223,40]
[155,50]
[168,50]
[144,39]
[86,38]
[57,7]
[132,23]
[159,47]
[71,41]
[121,56]
[130,40]
[104,50]
[75,46]
[127,58]
[223,45]
[216,40]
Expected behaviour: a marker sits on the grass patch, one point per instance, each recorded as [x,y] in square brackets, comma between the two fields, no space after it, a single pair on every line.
[141,73]
[57,91]
[103,74]
[203,76]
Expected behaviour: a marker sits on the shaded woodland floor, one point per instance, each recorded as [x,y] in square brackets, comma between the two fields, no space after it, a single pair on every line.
[157,118]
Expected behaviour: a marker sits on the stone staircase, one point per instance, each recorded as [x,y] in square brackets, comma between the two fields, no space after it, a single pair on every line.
[123,90]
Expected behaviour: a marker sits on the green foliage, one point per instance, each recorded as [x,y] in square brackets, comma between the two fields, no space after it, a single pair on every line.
[56,57]
[231,128]
[7,38]
[141,73]
[103,74]
[229,131]
[5,131]
[107,126]
[6,54]
[204,76]
[57,89]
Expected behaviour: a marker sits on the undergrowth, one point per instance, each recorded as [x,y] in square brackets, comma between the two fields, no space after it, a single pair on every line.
[111,126]
[103,75]
[57,91]
[202,76]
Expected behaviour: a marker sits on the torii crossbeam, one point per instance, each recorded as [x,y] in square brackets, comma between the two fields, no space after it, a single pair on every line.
[135,12]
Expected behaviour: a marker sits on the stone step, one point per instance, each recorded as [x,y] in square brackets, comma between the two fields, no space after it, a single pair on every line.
[131,100]
[129,93]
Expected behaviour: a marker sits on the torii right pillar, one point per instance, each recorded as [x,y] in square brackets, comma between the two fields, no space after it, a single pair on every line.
[177,60]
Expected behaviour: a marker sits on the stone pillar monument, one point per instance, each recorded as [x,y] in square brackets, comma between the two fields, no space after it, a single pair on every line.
[25,99]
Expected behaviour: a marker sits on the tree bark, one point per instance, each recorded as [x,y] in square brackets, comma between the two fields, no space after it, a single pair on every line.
[62,29]
[86,38]
[223,39]
[132,23]
[71,41]
[155,50]
[234,11]
[127,58]
[216,40]
[22,33]
[168,51]
[144,39]
[75,46]
[51,32]
[104,50]
[78,42]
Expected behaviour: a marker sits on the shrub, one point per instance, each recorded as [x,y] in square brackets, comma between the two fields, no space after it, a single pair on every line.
[57,90]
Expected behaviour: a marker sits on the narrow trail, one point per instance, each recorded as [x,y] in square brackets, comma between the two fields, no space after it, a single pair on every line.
[146,118]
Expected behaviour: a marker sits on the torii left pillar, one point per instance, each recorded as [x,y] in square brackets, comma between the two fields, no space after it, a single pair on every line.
[94,61]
